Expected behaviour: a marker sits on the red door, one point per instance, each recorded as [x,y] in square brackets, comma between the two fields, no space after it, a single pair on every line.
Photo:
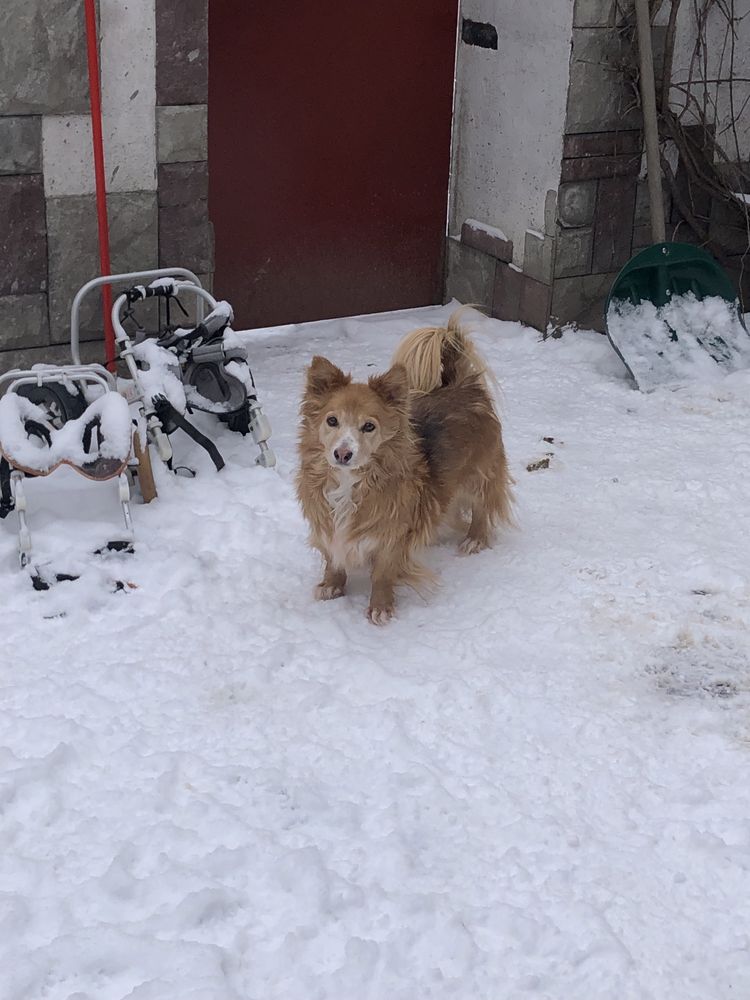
[329,153]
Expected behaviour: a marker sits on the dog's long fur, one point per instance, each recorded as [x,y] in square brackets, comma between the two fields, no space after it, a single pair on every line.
[424,445]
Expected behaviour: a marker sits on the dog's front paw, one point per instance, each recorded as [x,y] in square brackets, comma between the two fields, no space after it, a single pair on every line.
[328,592]
[470,546]
[380,614]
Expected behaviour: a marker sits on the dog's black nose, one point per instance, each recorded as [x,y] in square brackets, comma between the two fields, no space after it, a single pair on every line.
[343,455]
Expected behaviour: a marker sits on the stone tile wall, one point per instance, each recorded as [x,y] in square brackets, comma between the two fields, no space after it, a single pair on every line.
[154,59]
[594,216]
[599,215]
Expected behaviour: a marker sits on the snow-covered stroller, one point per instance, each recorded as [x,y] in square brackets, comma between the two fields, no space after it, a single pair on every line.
[202,366]
[62,415]
[80,415]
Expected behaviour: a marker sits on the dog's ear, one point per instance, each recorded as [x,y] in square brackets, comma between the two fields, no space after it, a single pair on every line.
[323,377]
[392,386]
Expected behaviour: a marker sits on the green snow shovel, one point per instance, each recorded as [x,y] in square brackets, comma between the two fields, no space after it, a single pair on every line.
[672,313]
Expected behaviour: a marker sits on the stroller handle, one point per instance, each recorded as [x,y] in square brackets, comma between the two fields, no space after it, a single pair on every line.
[129,277]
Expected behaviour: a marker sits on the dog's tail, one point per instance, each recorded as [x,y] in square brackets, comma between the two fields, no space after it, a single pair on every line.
[440,355]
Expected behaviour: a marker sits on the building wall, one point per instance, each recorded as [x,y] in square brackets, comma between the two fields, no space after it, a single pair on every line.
[547,149]
[509,115]
[509,121]
[595,215]
[600,203]
[154,62]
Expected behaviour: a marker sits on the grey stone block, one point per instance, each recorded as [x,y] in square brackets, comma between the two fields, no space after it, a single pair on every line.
[573,252]
[59,354]
[538,256]
[613,225]
[576,203]
[21,145]
[74,252]
[506,300]
[598,95]
[186,237]
[182,51]
[43,65]
[185,233]
[489,242]
[23,321]
[182,183]
[580,145]
[470,274]
[590,168]
[580,300]
[23,240]
[594,13]
[535,303]
[182,133]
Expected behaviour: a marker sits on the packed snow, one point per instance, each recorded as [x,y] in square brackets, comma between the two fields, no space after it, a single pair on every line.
[685,339]
[534,784]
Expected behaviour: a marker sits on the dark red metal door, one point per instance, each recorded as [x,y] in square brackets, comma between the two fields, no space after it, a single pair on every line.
[329,149]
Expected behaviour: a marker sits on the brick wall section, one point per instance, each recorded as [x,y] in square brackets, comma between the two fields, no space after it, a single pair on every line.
[42,70]
[566,271]
[48,232]
[185,233]
[597,216]
[595,219]
[601,209]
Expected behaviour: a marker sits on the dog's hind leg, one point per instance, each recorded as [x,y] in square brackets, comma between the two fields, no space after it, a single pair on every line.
[332,585]
[478,535]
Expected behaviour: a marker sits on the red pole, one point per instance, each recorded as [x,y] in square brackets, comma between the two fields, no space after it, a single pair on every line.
[95,95]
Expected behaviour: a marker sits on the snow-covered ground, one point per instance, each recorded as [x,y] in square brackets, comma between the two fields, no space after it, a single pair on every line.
[533,785]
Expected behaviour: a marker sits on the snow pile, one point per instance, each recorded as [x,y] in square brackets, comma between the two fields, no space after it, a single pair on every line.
[159,373]
[29,451]
[212,321]
[685,340]
[483,227]
[533,785]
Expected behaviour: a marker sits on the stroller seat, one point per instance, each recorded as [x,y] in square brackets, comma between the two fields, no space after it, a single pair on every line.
[97,444]
[62,415]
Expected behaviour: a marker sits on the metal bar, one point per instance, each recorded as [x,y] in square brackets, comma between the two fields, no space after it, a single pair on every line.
[128,278]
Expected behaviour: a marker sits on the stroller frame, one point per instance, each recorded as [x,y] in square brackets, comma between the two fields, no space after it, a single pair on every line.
[13,473]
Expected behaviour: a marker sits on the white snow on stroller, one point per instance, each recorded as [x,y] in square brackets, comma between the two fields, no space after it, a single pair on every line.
[52,416]
[184,368]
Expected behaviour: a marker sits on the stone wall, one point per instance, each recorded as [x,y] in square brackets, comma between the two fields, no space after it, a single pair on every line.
[582,231]
[599,186]
[596,214]
[509,113]
[154,69]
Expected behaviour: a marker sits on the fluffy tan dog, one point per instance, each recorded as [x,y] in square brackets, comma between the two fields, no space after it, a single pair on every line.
[383,464]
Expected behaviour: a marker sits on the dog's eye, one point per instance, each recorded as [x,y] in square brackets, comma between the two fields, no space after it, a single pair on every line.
[368,427]
[332,422]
